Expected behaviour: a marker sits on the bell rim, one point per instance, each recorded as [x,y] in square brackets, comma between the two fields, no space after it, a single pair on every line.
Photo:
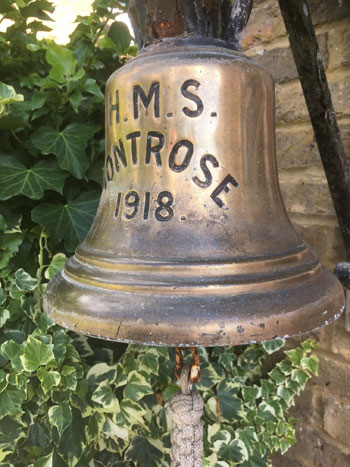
[218,320]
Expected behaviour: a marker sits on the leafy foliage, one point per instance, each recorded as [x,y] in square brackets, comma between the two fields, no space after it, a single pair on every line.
[65,399]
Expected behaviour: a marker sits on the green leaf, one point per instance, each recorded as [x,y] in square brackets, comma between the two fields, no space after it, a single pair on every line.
[11,401]
[24,282]
[248,436]
[142,452]
[17,179]
[36,353]
[295,355]
[69,378]
[285,394]
[57,263]
[119,33]
[272,346]
[112,429]
[250,394]
[301,377]
[8,96]
[277,376]
[131,413]
[92,87]
[48,379]
[95,425]
[311,364]
[105,397]
[137,386]
[267,412]
[231,406]
[235,451]
[69,222]
[68,146]
[13,352]
[61,60]
[72,443]
[60,416]
[9,245]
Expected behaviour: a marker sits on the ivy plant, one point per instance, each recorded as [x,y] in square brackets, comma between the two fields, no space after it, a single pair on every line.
[66,399]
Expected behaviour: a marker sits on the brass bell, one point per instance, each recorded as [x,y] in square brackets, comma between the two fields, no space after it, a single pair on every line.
[191,244]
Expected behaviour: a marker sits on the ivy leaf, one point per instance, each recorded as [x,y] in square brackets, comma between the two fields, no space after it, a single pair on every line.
[73,440]
[69,222]
[12,351]
[137,387]
[61,60]
[17,179]
[105,397]
[301,377]
[119,33]
[68,146]
[11,401]
[8,96]
[48,379]
[295,355]
[131,413]
[36,353]
[311,364]
[57,263]
[235,451]
[60,416]
[24,282]
[272,346]
[142,452]
[248,436]
[69,377]
[231,406]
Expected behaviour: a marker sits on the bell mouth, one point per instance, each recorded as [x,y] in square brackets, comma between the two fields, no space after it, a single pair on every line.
[188,304]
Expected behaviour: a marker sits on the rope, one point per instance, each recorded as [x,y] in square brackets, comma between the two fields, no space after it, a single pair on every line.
[186,409]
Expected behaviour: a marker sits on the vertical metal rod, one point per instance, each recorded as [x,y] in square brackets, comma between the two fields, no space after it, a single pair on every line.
[313,79]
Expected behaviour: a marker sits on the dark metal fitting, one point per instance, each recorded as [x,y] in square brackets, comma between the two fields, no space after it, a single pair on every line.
[342,271]
[195,371]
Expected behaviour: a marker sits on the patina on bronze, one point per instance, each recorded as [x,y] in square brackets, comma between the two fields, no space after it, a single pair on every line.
[191,244]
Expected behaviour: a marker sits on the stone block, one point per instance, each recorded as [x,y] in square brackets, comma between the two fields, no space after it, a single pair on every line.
[290,102]
[306,195]
[320,237]
[308,407]
[265,24]
[333,376]
[312,449]
[345,59]
[285,461]
[336,420]
[336,339]
[296,147]
[326,11]
[280,62]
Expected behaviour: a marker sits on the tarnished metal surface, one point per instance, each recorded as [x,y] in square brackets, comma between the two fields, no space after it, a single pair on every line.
[191,244]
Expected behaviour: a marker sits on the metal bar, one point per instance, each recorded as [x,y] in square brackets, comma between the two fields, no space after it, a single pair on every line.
[313,79]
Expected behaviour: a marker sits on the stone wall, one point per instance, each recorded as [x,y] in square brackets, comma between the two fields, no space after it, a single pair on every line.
[324,408]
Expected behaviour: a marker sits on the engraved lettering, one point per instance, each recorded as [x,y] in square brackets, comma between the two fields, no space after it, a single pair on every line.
[223,187]
[146,100]
[164,206]
[184,143]
[193,97]
[133,203]
[206,172]
[109,168]
[119,152]
[132,136]
[117,208]
[114,108]
[146,208]
[154,148]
